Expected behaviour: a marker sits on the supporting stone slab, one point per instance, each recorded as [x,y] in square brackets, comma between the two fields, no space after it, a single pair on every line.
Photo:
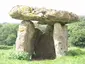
[60,39]
[44,45]
[24,41]
[65,36]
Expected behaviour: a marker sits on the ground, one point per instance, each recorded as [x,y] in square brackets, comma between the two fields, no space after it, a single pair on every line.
[69,59]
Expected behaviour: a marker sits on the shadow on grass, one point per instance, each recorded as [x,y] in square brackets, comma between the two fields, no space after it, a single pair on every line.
[5,47]
[75,52]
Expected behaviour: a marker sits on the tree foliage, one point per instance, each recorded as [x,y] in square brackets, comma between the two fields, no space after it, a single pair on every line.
[76,33]
[8,33]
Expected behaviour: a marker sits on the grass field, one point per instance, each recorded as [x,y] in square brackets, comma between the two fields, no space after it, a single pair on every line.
[75,56]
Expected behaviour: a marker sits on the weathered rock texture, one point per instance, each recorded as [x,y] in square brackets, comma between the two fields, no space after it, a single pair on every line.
[44,44]
[24,41]
[44,16]
[60,39]
[47,41]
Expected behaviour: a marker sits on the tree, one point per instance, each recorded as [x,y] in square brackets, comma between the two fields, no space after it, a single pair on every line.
[76,33]
[8,34]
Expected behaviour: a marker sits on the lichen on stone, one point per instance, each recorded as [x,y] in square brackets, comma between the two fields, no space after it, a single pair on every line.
[43,15]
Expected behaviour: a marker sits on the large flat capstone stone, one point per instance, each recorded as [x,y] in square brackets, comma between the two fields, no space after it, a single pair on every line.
[43,15]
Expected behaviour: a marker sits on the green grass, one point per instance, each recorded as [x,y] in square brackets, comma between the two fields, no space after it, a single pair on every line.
[69,59]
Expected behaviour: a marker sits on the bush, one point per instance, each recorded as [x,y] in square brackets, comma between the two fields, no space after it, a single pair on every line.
[10,39]
[5,47]
[20,56]
[75,52]
[8,33]
[76,34]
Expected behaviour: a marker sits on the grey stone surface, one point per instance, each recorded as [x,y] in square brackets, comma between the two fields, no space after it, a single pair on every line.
[24,41]
[43,15]
[60,39]
[44,44]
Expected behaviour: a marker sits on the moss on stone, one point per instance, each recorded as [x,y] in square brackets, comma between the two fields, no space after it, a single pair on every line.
[44,16]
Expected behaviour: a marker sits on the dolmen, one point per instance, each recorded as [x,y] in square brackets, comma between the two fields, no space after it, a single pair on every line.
[42,32]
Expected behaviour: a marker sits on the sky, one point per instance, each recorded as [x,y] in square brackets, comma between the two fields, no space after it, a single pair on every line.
[75,6]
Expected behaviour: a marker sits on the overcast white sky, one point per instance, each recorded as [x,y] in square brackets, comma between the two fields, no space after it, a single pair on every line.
[75,6]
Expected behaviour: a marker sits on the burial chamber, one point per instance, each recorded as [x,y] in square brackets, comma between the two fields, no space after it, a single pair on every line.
[47,37]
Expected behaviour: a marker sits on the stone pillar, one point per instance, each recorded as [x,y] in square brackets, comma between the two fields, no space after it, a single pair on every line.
[24,41]
[60,39]
[44,46]
[65,36]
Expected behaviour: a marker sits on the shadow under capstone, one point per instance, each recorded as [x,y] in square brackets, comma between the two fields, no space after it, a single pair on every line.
[43,43]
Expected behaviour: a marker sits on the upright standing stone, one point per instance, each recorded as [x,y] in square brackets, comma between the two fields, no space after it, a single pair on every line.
[65,36]
[44,46]
[24,40]
[60,39]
